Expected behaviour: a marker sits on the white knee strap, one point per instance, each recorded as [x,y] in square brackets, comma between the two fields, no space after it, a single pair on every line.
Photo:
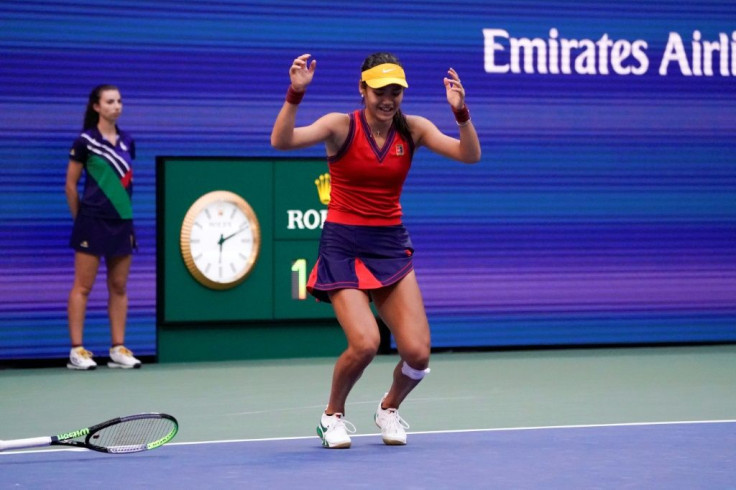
[415,374]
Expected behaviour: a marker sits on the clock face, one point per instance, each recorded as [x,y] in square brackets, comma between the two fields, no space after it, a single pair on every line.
[220,239]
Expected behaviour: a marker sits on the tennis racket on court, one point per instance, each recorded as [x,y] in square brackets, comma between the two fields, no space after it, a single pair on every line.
[121,435]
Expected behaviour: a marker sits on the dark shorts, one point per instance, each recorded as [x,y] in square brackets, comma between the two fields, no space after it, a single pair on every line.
[360,257]
[103,237]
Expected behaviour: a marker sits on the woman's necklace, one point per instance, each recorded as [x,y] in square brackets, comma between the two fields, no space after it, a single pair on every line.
[376,132]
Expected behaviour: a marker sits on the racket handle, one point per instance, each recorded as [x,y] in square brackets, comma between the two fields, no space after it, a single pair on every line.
[24,443]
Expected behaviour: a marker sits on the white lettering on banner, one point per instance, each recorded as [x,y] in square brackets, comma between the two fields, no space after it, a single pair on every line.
[490,49]
[310,219]
[564,56]
[703,53]
[557,55]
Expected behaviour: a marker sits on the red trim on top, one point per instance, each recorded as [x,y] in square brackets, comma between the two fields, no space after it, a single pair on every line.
[127,178]
[345,218]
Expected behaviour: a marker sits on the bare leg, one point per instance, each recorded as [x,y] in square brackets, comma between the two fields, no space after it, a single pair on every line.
[402,308]
[353,311]
[118,269]
[85,272]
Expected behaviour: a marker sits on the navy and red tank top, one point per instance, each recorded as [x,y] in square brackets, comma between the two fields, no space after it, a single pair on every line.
[367,180]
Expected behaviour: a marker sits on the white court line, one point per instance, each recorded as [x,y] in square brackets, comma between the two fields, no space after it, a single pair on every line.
[458,431]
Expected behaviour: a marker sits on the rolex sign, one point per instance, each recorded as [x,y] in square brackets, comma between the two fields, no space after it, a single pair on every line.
[302,195]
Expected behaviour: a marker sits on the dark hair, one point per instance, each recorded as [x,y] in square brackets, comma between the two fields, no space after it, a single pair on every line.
[91,117]
[378,59]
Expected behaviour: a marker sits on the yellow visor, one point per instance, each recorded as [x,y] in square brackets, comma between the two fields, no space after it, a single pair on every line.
[385,74]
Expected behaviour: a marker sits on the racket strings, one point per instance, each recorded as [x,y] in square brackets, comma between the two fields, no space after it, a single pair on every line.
[133,434]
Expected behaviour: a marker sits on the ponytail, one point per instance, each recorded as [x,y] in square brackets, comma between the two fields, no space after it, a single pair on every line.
[91,116]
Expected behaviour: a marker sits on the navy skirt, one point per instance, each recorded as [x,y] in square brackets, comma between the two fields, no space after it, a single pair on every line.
[360,257]
[103,237]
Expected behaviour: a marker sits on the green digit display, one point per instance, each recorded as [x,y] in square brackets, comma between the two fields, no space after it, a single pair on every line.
[299,279]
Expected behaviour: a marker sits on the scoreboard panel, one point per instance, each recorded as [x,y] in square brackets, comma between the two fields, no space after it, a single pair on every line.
[289,198]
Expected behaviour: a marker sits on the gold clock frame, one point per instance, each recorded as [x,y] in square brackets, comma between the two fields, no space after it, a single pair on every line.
[186,233]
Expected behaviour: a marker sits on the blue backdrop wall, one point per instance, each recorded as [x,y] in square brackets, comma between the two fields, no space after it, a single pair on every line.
[603,211]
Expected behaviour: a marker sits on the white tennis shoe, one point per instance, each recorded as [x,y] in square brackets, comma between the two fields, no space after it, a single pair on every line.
[81,359]
[393,427]
[333,430]
[121,357]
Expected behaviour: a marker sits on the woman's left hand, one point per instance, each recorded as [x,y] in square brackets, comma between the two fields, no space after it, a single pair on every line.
[455,90]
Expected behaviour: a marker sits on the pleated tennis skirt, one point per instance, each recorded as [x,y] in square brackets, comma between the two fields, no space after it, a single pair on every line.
[103,237]
[360,257]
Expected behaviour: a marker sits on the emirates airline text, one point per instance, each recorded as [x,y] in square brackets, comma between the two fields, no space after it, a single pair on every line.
[558,55]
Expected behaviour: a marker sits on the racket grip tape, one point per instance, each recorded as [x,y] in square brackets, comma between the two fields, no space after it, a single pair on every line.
[24,443]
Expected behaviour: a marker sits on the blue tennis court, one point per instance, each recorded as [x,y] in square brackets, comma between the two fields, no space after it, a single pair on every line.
[598,418]
[672,455]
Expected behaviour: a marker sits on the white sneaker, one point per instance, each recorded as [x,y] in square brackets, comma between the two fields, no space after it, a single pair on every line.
[333,430]
[393,427]
[121,357]
[81,359]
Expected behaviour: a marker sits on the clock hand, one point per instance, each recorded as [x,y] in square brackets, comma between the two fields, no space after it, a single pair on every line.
[222,240]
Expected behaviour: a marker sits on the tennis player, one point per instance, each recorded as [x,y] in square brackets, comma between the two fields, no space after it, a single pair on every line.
[365,253]
[103,223]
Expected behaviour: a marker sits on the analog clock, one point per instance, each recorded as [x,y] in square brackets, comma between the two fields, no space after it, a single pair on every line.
[220,239]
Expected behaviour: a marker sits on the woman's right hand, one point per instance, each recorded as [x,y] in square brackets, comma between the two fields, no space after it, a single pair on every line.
[301,72]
